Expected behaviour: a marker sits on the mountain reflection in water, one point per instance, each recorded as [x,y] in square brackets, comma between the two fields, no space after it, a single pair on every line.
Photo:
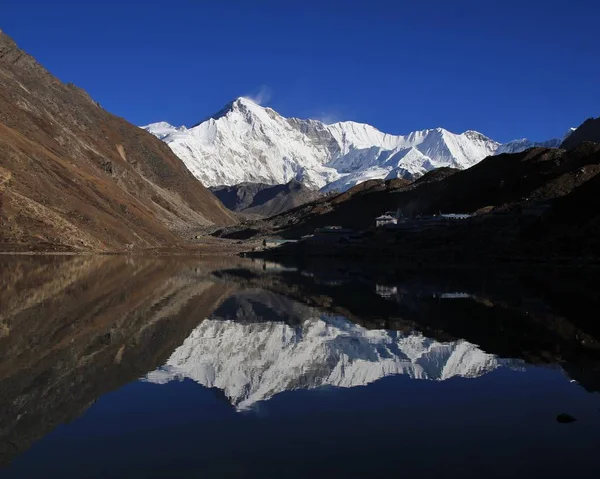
[499,356]
[252,359]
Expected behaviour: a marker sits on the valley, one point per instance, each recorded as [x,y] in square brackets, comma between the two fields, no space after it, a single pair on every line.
[299,240]
[76,179]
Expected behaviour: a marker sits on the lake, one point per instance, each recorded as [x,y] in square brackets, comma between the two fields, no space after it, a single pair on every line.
[228,367]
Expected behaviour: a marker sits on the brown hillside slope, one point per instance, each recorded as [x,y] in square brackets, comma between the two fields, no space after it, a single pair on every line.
[75,177]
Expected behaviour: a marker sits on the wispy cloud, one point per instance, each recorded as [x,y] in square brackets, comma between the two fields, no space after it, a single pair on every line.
[328,117]
[261,97]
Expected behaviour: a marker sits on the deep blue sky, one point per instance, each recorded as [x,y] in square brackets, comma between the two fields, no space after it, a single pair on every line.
[506,68]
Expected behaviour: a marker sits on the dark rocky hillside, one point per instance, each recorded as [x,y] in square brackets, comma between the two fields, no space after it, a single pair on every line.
[541,205]
[589,130]
[498,183]
[75,177]
[264,200]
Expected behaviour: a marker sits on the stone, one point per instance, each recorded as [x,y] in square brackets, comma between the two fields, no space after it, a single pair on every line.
[565,418]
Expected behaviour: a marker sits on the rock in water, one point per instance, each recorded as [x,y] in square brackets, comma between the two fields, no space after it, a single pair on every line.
[565,418]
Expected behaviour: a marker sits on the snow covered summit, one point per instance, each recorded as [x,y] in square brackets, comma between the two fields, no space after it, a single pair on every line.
[245,142]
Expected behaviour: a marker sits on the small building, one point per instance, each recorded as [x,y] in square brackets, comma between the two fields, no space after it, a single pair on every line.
[385,219]
[386,291]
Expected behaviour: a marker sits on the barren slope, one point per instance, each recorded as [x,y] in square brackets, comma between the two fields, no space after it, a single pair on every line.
[75,177]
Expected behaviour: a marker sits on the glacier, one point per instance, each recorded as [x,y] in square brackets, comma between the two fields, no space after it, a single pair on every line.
[246,142]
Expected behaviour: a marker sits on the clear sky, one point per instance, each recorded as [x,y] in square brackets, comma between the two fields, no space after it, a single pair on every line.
[503,67]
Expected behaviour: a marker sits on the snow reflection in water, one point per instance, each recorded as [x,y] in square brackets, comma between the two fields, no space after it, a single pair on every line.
[252,359]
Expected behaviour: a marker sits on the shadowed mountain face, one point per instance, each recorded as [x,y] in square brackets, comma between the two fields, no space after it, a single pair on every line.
[589,130]
[75,328]
[264,200]
[75,177]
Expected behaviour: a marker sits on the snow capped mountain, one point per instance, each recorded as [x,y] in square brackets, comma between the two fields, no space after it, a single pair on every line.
[245,142]
[523,144]
[254,361]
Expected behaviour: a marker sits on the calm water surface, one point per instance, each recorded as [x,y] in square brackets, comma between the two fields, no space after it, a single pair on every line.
[175,367]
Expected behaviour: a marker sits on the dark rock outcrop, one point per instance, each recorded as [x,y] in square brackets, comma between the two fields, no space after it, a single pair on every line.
[565,418]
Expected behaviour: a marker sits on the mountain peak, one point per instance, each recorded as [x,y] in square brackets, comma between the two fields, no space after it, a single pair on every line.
[475,135]
[239,104]
[219,114]
[242,100]
[246,142]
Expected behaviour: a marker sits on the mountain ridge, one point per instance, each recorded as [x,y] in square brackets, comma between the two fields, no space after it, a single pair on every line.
[522,144]
[245,142]
[589,130]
